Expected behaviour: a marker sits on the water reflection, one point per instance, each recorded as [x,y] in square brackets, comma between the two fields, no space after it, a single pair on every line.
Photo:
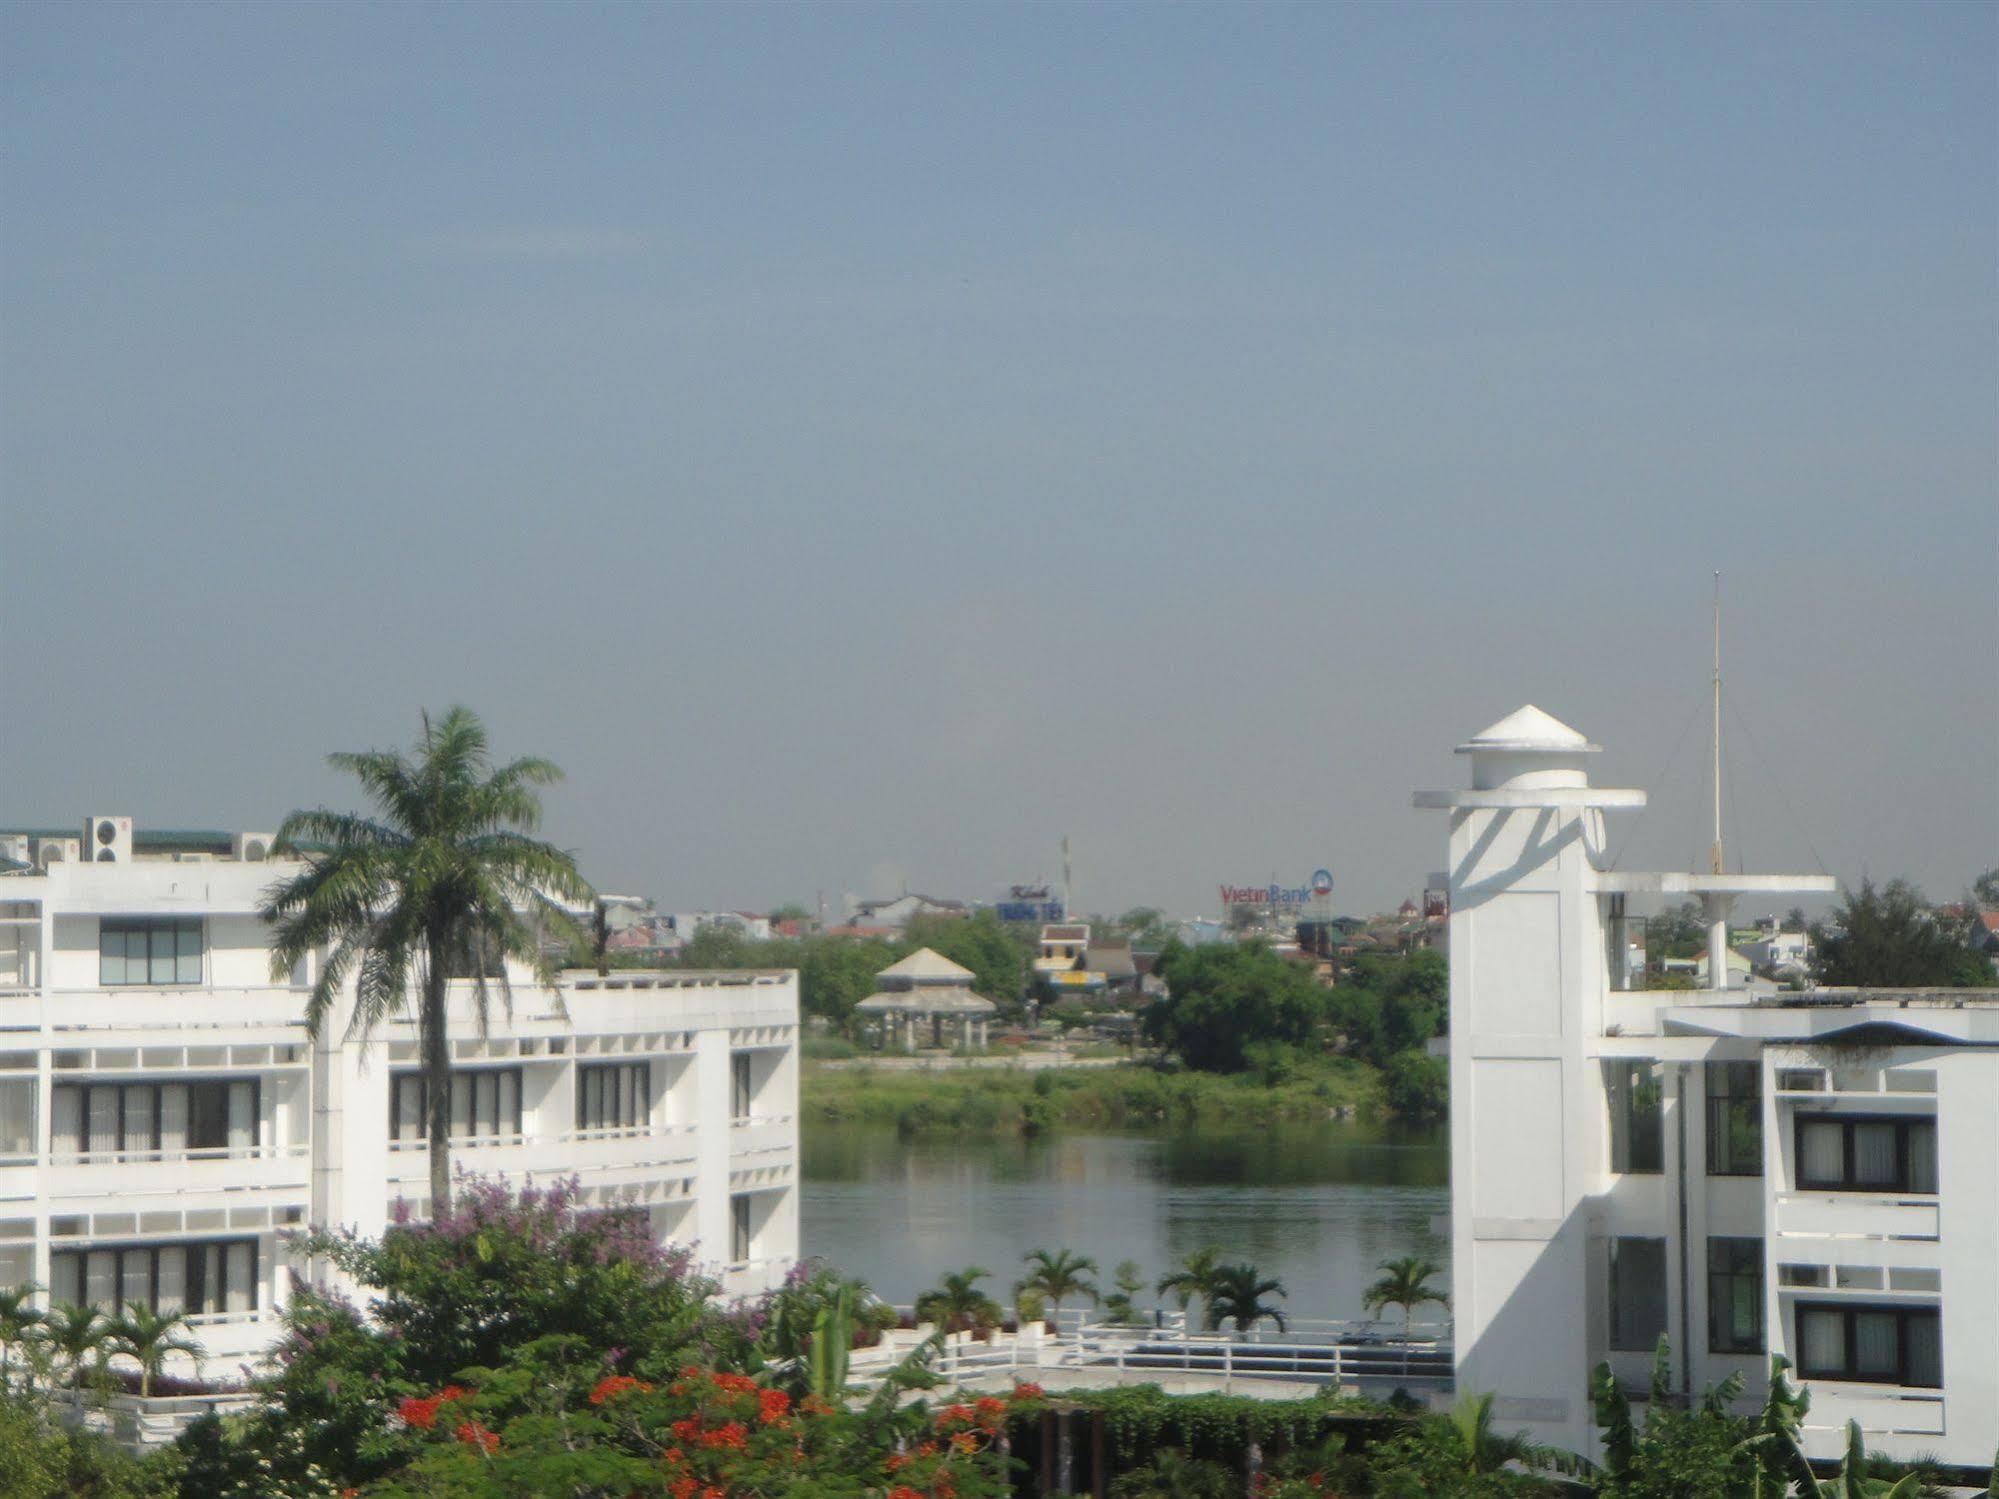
[1315,1205]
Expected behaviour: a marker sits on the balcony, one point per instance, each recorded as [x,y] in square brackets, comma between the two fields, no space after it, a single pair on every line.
[1902,1216]
[1880,1409]
[761,1134]
[189,1007]
[129,1174]
[587,1153]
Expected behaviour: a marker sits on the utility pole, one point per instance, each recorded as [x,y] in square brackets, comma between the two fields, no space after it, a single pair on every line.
[1714,850]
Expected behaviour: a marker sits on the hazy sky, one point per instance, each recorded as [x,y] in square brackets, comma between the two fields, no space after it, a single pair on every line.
[864,444]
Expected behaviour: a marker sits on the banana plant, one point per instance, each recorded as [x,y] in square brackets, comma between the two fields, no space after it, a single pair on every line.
[832,1343]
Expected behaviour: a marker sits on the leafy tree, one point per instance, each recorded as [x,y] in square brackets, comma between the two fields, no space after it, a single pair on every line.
[957,1304]
[147,1337]
[791,910]
[1985,889]
[1890,937]
[435,886]
[837,973]
[1406,1283]
[1236,1295]
[1057,1276]
[719,944]
[1418,1086]
[1221,999]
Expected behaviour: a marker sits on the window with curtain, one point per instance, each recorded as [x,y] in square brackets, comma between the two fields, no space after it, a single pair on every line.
[17,1119]
[1637,1294]
[739,1227]
[1734,1295]
[1877,1154]
[614,1095]
[485,1102]
[1734,1118]
[1896,1345]
[1636,1091]
[205,1278]
[741,1096]
[155,952]
[91,1119]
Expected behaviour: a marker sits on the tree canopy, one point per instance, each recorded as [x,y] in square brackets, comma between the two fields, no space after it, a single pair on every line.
[1891,937]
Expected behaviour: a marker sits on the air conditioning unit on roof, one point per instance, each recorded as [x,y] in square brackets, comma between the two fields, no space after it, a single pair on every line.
[42,852]
[107,840]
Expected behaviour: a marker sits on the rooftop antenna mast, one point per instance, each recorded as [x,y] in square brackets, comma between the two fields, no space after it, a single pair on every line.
[1714,850]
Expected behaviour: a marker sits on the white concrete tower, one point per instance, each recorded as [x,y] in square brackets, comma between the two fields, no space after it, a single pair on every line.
[1527,983]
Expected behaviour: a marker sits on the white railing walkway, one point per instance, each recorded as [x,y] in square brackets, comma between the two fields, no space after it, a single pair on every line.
[1339,1355]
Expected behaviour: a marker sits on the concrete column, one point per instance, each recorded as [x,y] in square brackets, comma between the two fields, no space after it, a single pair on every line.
[1716,908]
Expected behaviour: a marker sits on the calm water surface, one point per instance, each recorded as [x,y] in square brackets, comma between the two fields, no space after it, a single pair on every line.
[1316,1206]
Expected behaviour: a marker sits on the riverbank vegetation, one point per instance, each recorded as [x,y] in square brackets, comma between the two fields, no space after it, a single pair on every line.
[1125,1096]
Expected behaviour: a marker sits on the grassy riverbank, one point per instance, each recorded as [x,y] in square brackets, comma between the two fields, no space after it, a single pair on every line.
[1011,1099]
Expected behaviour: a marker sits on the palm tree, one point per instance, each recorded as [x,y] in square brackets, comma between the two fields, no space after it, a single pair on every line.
[20,1323]
[77,1337]
[1489,1451]
[1236,1295]
[1058,1275]
[1405,1283]
[433,887]
[148,1337]
[957,1303]
[1194,1279]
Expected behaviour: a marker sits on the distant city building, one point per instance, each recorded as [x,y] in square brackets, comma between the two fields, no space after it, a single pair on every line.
[682,925]
[166,1122]
[895,913]
[1743,1173]
[1031,904]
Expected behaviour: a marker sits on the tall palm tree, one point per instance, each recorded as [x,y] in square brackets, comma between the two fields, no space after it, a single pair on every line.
[437,885]
[1058,1275]
[1404,1283]
[957,1303]
[1236,1295]
[1193,1279]
[20,1324]
[77,1337]
[148,1337]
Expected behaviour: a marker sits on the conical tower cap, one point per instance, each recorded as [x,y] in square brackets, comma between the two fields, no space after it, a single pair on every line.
[1529,730]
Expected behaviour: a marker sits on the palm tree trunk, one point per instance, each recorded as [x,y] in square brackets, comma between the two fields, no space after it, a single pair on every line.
[1408,1326]
[436,1047]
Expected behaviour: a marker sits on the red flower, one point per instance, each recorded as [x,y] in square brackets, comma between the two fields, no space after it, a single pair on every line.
[684,1486]
[1026,1391]
[613,1385]
[473,1433]
[421,1411]
[772,1405]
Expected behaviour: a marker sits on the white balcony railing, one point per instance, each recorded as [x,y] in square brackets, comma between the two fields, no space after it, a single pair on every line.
[1856,1215]
[1880,1409]
[191,1007]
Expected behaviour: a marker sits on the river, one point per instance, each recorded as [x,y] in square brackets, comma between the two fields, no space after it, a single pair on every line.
[1316,1206]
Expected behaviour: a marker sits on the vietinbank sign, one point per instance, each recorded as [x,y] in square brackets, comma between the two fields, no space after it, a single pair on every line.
[1319,888]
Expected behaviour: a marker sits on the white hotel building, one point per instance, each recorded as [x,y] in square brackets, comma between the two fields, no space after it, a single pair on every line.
[165,1118]
[1813,1174]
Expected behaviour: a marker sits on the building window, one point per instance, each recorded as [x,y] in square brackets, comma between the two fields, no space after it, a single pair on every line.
[1734,1119]
[148,952]
[17,1119]
[485,1102]
[1896,1345]
[1735,1295]
[1873,1154]
[1637,1294]
[740,1093]
[614,1095]
[88,1119]
[1637,1122]
[739,1228]
[209,1278]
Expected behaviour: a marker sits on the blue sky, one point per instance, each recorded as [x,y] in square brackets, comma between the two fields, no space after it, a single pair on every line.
[863,444]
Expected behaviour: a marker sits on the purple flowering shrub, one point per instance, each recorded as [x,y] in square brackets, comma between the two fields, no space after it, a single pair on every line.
[501,1270]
